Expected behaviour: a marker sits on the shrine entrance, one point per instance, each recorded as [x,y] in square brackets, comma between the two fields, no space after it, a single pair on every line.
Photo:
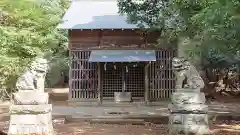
[122,73]
[123,77]
[95,77]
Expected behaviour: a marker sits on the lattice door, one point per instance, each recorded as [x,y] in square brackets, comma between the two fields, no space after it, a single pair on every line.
[83,77]
[161,77]
[112,79]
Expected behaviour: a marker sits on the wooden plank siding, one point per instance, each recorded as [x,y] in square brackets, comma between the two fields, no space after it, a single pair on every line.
[111,39]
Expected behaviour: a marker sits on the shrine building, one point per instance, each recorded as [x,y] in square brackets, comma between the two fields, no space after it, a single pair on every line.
[112,60]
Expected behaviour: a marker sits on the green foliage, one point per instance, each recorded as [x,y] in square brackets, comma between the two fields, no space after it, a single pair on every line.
[59,64]
[28,29]
[211,25]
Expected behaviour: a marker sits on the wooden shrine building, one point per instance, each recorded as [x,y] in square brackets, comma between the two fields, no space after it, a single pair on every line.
[110,56]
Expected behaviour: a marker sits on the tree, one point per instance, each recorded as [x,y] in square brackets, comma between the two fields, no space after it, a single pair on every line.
[211,25]
[28,29]
[207,29]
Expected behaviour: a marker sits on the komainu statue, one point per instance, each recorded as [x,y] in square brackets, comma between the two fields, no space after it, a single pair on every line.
[30,112]
[188,111]
[187,75]
[33,78]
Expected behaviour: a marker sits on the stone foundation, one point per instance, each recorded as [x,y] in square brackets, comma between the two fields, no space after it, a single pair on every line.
[30,114]
[188,113]
[30,98]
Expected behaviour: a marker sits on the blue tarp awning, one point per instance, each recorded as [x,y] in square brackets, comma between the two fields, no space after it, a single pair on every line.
[122,55]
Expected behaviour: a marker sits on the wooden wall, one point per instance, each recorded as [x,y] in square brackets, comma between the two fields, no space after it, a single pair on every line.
[111,39]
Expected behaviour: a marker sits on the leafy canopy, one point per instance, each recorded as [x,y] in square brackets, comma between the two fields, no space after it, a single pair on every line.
[28,29]
[210,25]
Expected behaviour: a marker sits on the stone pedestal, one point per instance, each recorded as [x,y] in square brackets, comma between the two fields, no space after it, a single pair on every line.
[122,97]
[30,114]
[188,113]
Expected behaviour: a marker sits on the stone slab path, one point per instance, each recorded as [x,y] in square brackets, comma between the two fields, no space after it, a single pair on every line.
[61,109]
[159,110]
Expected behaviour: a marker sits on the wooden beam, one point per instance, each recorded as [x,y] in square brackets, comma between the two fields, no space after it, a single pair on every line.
[144,35]
[69,40]
[99,83]
[100,38]
[70,76]
[123,78]
[145,39]
[146,83]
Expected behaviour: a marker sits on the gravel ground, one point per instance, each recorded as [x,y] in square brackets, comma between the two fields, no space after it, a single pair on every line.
[84,128]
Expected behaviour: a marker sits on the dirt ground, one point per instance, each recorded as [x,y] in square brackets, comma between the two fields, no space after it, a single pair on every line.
[219,128]
[84,128]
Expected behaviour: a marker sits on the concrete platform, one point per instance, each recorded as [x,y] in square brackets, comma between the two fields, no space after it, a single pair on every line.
[126,115]
[110,112]
[137,113]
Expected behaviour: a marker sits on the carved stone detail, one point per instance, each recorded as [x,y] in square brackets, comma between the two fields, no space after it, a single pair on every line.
[188,98]
[33,78]
[30,109]
[187,75]
[30,98]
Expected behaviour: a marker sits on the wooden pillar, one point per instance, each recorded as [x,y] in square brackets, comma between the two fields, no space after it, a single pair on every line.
[146,84]
[99,83]
[70,77]
[123,78]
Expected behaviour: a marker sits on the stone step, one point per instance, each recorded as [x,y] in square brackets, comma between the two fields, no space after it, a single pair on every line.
[119,119]
[106,104]
[161,119]
[152,119]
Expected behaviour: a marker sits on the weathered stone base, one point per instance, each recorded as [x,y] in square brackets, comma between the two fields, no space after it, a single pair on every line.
[188,98]
[30,98]
[30,130]
[178,129]
[31,119]
[188,108]
[122,96]
[186,90]
[188,113]
[30,109]
[195,119]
